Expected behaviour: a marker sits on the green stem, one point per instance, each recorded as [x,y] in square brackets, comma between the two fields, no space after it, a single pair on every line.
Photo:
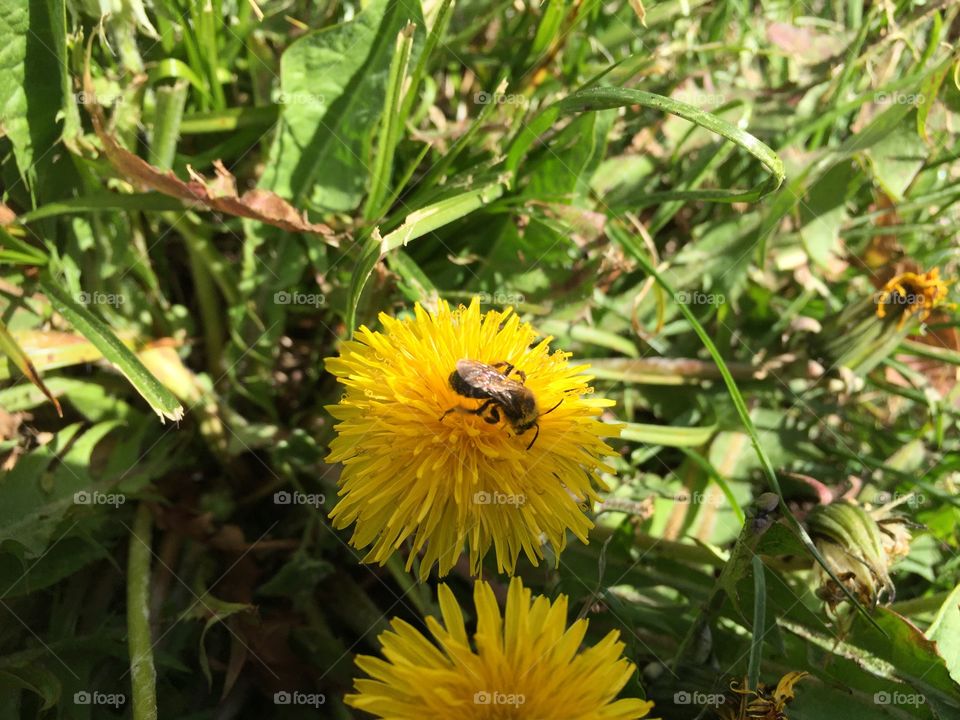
[166,125]
[143,674]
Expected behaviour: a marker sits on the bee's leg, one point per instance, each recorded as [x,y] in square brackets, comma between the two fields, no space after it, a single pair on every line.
[494,415]
[455,408]
[459,408]
[535,436]
[552,409]
[509,369]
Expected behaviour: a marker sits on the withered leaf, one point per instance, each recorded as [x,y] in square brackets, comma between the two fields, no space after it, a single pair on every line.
[219,194]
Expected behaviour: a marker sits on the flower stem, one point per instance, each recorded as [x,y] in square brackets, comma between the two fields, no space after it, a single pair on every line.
[142,671]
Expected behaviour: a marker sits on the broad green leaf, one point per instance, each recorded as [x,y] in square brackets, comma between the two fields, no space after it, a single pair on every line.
[914,657]
[32,78]
[32,501]
[945,631]
[333,83]
[99,333]
[824,212]
[897,158]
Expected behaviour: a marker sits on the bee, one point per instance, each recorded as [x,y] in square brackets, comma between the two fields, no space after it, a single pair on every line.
[500,395]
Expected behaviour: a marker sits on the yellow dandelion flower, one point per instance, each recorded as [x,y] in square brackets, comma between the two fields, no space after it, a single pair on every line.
[917,293]
[524,665]
[424,463]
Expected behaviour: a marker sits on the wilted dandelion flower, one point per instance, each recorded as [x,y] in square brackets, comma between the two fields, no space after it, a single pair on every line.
[864,333]
[763,703]
[412,470]
[859,546]
[523,665]
[914,294]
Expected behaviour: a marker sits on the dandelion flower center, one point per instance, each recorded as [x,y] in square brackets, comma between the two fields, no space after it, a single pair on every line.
[426,463]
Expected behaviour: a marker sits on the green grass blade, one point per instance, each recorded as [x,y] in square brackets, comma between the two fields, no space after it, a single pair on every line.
[99,333]
[605,98]
[759,621]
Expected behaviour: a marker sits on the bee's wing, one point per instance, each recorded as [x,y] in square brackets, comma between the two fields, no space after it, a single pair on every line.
[489,381]
[480,374]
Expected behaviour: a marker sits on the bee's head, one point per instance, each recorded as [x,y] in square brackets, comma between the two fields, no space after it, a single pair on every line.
[527,413]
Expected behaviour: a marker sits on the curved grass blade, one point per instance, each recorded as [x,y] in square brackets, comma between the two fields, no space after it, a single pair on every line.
[99,333]
[418,223]
[11,348]
[605,98]
[740,404]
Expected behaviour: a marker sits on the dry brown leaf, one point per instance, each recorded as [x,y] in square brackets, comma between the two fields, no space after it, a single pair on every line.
[219,194]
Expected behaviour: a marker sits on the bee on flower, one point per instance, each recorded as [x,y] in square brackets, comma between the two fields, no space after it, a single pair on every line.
[462,428]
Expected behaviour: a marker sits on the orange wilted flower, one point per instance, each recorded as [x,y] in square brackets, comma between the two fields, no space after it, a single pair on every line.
[761,704]
[917,293]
